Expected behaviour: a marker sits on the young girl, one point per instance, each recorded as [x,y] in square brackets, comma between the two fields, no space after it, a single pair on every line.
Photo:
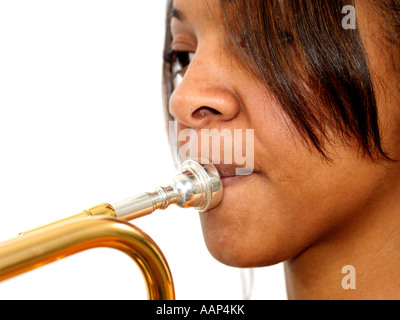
[317,82]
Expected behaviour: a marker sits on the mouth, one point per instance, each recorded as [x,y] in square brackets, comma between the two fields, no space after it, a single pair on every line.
[228,174]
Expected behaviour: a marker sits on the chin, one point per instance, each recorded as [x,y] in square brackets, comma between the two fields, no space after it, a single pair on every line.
[240,232]
[236,248]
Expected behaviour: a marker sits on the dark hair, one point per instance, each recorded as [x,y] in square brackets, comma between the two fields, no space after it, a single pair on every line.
[317,70]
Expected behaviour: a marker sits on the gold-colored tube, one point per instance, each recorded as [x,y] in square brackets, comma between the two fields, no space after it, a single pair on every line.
[196,185]
[101,210]
[65,238]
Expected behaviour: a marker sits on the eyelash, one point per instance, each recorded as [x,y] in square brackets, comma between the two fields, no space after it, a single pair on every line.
[179,60]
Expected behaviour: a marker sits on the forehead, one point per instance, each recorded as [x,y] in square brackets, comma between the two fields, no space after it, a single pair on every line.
[192,10]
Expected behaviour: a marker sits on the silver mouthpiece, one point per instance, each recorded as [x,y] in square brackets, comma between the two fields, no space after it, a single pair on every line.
[195,186]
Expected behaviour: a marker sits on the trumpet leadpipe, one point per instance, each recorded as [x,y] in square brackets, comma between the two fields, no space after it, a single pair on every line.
[195,186]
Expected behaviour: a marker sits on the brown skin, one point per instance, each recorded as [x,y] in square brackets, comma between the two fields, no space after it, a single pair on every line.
[316,215]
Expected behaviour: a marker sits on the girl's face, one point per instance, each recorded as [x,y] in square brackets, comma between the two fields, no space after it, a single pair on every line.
[294,196]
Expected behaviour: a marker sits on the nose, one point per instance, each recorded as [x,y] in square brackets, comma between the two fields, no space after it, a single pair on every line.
[206,94]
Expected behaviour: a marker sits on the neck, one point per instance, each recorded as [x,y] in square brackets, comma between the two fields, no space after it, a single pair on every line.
[370,244]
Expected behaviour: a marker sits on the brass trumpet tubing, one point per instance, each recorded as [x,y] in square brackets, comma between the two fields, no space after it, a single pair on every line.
[62,239]
[195,186]
[101,210]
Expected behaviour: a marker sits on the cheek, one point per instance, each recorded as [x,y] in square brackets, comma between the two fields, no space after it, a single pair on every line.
[296,199]
[272,221]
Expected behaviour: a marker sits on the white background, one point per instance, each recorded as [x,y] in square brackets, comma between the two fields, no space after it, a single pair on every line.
[81,123]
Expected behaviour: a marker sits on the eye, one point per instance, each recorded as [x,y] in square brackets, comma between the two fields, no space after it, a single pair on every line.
[179,60]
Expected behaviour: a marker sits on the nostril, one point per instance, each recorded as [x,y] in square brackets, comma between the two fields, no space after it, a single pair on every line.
[204,112]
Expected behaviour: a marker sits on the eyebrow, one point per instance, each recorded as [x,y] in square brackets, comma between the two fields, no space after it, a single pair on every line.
[175,13]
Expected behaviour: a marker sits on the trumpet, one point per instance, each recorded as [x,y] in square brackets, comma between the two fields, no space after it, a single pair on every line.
[106,225]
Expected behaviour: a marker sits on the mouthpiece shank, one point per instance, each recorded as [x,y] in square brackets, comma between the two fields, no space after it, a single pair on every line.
[145,203]
[195,186]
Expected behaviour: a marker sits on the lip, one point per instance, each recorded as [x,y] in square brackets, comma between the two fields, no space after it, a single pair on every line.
[226,170]
[228,174]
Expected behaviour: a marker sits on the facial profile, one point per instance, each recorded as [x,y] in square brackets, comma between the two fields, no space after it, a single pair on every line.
[320,104]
